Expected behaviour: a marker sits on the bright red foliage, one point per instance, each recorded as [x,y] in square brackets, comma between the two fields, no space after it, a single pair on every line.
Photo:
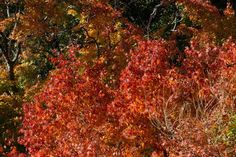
[77,114]
[154,93]
[64,118]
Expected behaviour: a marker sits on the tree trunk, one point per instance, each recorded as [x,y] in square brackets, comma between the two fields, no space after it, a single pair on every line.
[11,77]
[10,71]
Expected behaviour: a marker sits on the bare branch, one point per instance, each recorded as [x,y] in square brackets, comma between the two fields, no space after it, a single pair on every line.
[18,51]
[176,21]
[93,40]
[7,8]
[152,16]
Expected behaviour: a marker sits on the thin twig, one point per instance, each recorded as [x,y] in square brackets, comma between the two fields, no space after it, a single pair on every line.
[151,17]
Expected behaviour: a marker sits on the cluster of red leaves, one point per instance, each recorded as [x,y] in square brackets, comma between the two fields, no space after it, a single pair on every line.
[154,91]
[70,118]
[77,114]
[149,81]
[64,118]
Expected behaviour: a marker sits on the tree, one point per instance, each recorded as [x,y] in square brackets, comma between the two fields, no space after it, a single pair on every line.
[21,67]
[77,114]
[119,90]
[10,48]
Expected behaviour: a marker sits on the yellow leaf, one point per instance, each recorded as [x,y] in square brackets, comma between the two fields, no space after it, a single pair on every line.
[72,12]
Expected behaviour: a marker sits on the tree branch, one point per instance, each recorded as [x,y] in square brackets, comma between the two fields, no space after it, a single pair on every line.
[18,51]
[152,16]
[93,40]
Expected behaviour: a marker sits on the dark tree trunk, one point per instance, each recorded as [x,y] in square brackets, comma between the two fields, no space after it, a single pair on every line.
[165,153]
[10,71]
[11,77]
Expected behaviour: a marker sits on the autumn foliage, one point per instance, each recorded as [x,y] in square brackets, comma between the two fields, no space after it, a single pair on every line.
[108,87]
[77,114]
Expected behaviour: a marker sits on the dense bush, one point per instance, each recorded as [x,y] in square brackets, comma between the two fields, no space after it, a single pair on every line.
[76,113]
[96,78]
